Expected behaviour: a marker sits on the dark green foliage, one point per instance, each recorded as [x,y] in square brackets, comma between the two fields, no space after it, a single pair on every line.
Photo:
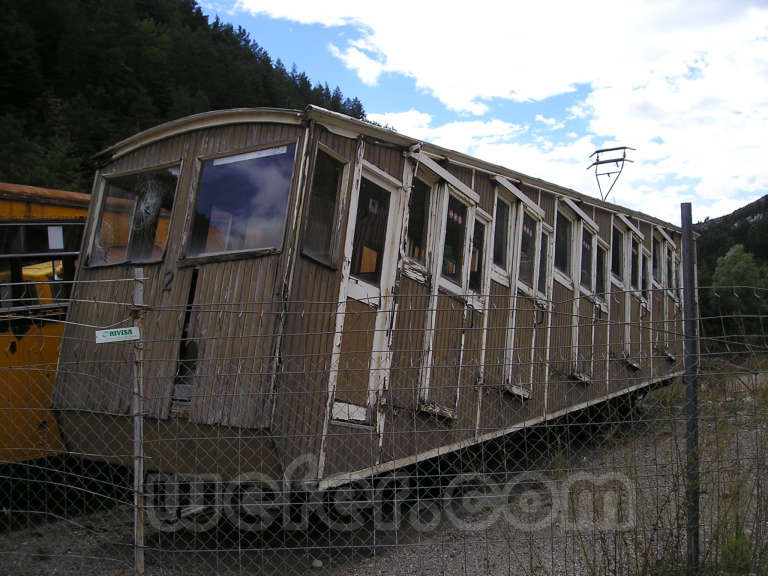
[79,75]
[733,274]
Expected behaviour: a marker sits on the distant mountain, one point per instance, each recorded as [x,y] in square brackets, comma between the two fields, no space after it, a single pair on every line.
[79,75]
[747,226]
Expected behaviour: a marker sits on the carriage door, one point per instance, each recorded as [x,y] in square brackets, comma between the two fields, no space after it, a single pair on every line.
[369,263]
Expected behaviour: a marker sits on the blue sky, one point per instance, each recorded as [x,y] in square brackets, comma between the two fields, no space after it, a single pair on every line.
[538,87]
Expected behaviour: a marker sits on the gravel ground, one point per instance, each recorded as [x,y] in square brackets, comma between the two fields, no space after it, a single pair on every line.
[607,502]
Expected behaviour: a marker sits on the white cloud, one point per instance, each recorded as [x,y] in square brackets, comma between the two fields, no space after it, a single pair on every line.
[686,83]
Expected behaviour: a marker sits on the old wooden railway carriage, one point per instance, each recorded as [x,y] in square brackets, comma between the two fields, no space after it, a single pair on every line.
[323,290]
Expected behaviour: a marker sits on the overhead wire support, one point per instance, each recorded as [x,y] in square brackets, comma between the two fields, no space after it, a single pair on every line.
[618,156]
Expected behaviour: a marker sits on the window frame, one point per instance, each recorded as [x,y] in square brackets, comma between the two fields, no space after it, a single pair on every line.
[338,225]
[95,222]
[358,288]
[446,284]
[476,299]
[546,233]
[186,259]
[566,279]
[499,274]
[601,297]
[522,286]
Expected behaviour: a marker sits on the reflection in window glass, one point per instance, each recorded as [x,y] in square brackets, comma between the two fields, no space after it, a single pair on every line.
[242,202]
[478,251]
[543,254]
[418,216]
[319,233]
[370,232]
[563,245]
[527,250]
[617,254]
[453,249]
[500,234]
[600,272]
[135,215]
[586,259]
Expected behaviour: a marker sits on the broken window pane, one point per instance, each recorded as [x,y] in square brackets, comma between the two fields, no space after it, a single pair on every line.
[136,212]
[476,265]
[453,249]
[527,250]
[370,232]
[319,232]
[418,218]
[501,234]
[242,202]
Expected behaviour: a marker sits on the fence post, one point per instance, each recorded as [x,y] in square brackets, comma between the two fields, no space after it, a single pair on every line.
[138,423]
[691,380]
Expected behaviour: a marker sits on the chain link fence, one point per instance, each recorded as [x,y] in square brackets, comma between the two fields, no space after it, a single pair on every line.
[271,474]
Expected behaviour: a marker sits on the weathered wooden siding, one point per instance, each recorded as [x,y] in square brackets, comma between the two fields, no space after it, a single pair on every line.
[408,343]
[496,338]
[446,355]
[522,350]
[355,355]
[227,390]
[561,332]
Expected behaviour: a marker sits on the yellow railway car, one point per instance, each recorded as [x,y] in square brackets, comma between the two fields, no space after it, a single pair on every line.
[40,233]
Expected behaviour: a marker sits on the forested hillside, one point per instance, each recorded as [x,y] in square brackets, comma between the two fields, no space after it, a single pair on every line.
[733,272]
[79,75]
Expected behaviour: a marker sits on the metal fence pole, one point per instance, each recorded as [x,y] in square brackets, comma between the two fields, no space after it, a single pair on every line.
[691,381]
[138,423]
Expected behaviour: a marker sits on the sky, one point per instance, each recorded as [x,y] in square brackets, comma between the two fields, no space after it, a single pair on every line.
[538,86]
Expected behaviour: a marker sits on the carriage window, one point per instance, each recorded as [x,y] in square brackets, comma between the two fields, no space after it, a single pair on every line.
[600,272]
[563,245]
[617,254]
[453,249]
[418,216]
[656,260]
[543,253]
[478,254]
[500,234]
[134,219]
[669,268]
[635,272]
[586,259]
[370,232]
[645,279]
[527,250]
[242,202]
[326,181]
